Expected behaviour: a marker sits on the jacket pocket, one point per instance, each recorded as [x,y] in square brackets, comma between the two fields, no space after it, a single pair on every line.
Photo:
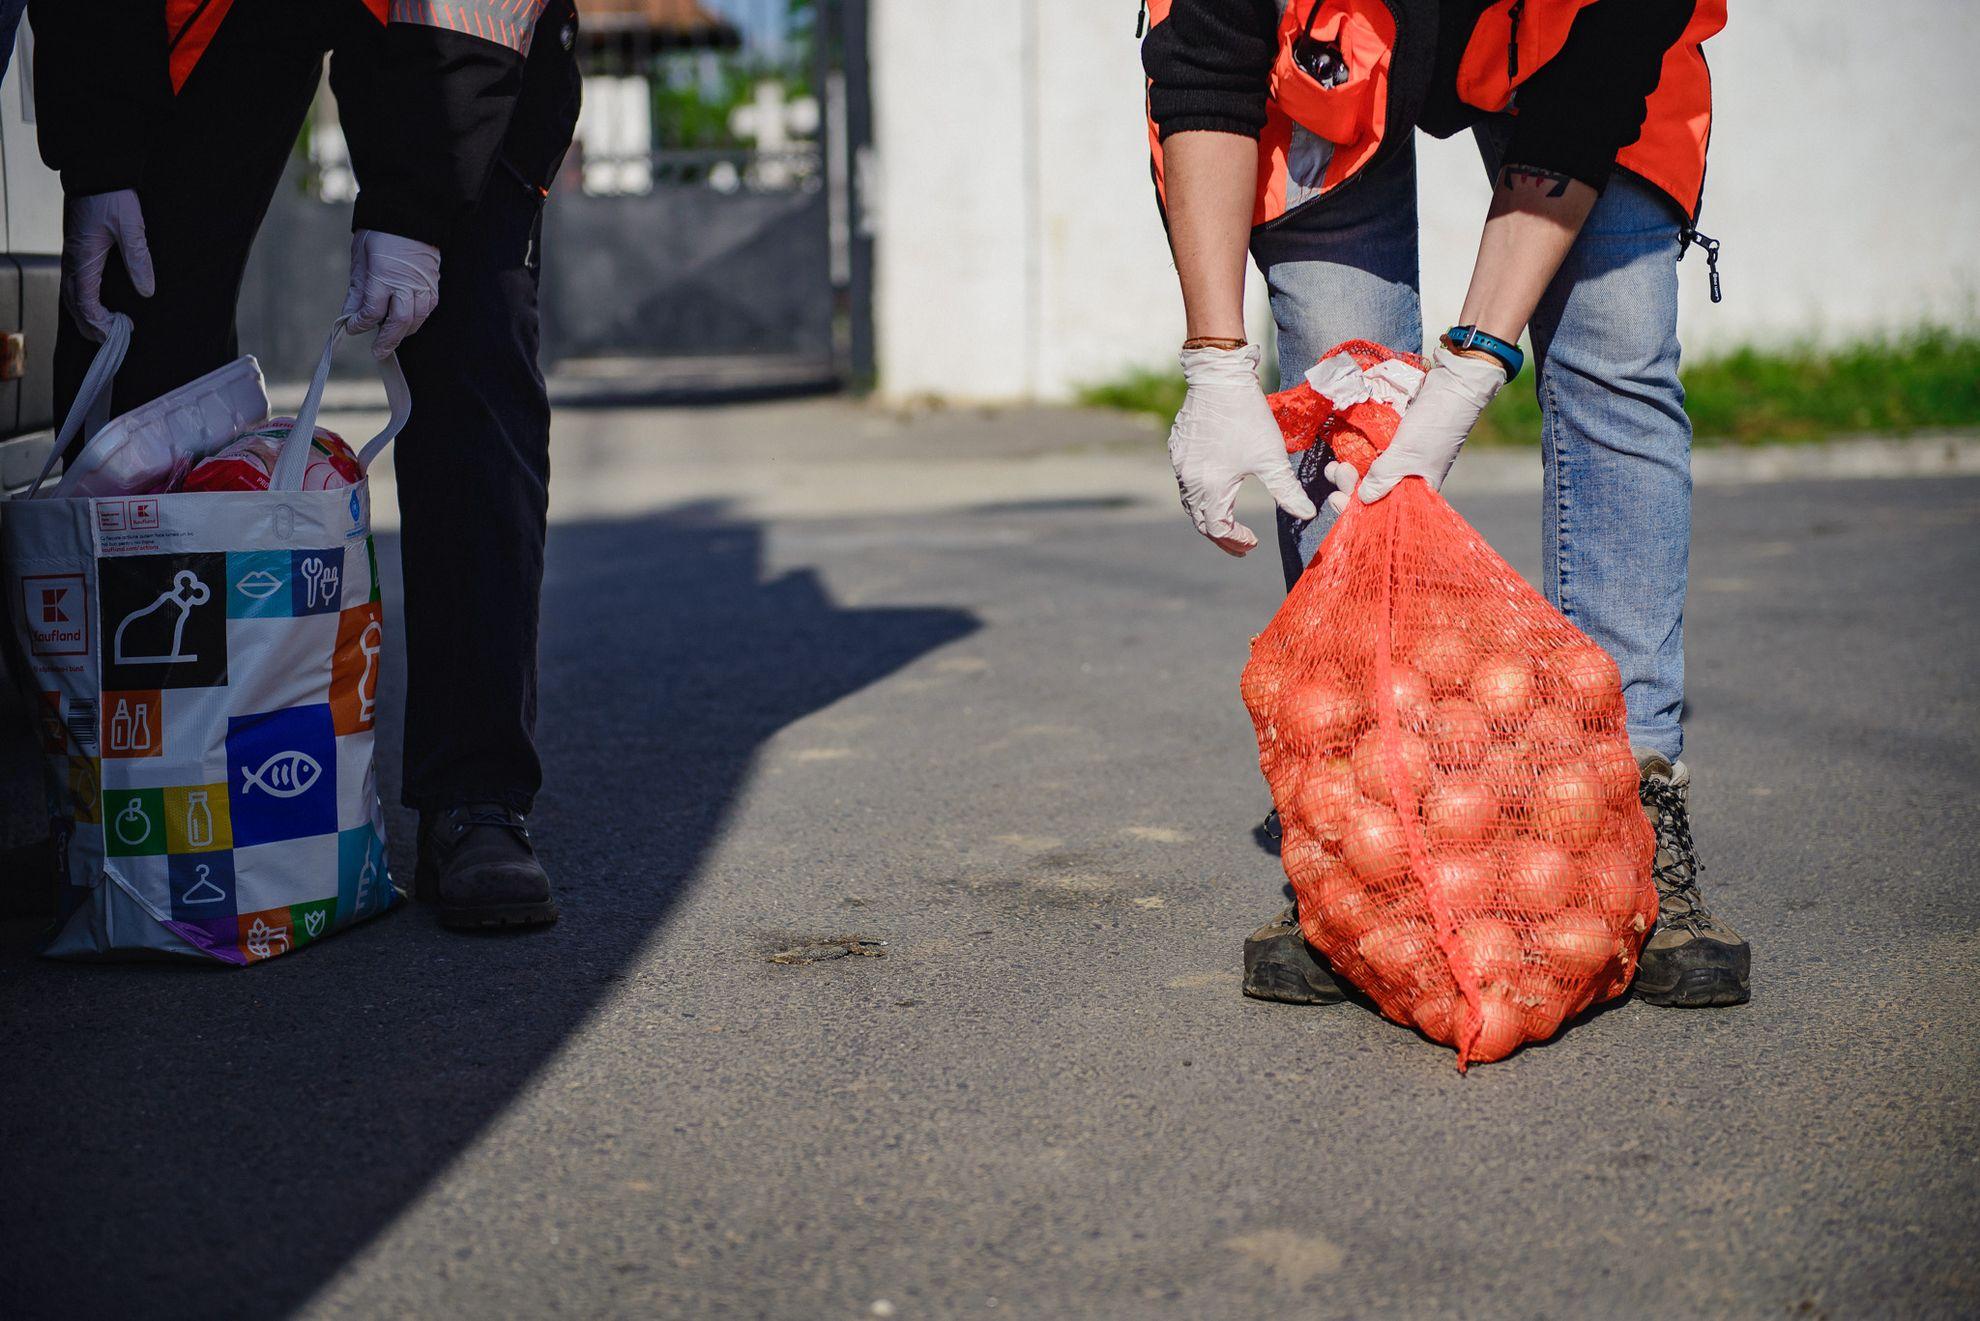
[1331,78]
[1332,72]
[1511,40]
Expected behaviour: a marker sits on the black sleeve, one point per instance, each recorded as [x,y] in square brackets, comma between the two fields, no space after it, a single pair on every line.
[426,108]
[102,86]
[1209,66]
[1587,103]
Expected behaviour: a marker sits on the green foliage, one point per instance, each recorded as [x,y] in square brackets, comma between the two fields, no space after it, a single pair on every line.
[1158,394]
[694,91]
[1926,380]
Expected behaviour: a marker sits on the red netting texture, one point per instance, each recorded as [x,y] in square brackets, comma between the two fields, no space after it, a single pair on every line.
[1449,761]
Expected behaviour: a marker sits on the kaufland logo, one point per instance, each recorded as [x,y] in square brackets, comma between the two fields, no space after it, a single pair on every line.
[57,623]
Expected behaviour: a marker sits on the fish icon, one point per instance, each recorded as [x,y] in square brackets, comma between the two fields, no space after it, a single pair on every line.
[259,585]
[284,775]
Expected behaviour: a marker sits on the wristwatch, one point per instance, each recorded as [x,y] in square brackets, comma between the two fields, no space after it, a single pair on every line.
[1462,338]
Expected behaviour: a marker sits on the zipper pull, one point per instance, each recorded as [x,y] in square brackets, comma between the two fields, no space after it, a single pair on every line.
[1688,236]
[1512,41]
[1141,19]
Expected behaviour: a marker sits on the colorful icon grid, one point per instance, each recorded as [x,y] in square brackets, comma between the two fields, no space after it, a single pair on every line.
[217,815]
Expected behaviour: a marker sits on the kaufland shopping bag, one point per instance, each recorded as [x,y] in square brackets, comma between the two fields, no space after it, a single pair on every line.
[207,670]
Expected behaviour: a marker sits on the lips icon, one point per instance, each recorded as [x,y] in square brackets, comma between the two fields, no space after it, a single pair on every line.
[259,585]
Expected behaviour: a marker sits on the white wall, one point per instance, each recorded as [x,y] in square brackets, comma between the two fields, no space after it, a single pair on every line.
[947,196]
[1019,253]
[1018,249]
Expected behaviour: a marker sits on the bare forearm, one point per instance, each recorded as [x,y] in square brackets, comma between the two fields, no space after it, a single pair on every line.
[1533,221]
[1210,178]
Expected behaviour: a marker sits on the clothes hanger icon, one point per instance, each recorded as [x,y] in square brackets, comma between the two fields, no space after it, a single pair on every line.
[203,891]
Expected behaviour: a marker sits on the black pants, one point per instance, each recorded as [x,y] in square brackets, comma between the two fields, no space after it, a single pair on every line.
[473,464]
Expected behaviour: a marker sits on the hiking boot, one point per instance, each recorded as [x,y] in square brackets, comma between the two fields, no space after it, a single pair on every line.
[1279,965]
[1692,960]
[478,869]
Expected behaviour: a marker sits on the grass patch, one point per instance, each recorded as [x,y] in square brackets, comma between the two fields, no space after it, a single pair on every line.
[1158,394]
[1928,380]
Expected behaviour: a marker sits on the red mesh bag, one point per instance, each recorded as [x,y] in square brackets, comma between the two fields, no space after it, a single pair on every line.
[1447,754]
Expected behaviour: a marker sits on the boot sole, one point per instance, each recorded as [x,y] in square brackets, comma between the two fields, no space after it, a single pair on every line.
[1700,988]
[1716,976]
[1282,970]
[479,917]
[490,917]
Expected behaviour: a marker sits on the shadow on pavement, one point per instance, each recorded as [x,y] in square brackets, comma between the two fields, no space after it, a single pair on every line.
[180,1140]
[567,393]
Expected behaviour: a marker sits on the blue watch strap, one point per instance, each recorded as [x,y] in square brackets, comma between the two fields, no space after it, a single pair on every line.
[1471,337]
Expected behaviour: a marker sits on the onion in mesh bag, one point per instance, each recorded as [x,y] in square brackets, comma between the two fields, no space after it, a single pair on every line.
[1447,753]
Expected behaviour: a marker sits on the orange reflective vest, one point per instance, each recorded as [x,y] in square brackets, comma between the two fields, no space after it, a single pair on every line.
[190,25]
[1511,39]
[189,29]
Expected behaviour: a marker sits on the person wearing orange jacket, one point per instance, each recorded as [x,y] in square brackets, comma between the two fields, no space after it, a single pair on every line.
[1286,128]
[170,122]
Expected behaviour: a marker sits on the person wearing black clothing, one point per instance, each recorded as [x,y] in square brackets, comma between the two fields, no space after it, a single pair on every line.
[1289,131]
[170,122]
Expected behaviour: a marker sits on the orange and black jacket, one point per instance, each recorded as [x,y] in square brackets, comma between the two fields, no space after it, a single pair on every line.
[1593,84]
[439,97]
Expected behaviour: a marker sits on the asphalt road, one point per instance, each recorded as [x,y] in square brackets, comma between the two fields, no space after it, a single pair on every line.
[1006,741]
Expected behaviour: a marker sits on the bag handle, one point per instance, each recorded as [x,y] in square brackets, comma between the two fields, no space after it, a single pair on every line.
[294,458]
[102,370]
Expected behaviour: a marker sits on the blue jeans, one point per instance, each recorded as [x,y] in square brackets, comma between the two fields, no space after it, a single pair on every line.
[1616,518]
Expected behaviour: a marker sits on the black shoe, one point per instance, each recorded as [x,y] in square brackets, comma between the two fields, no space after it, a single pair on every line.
[1692,960]
[478,869]
[1279,965]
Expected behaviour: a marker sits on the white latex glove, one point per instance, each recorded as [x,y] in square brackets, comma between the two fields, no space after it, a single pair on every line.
[92,225]
[1223,434]
[1454,392]
[395,285]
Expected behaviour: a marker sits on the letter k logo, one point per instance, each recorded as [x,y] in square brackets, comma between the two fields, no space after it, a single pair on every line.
[51,605]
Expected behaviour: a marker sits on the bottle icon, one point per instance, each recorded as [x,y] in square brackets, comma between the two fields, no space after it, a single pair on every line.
[130,730]
[367,874]
[370,643]
[199,820]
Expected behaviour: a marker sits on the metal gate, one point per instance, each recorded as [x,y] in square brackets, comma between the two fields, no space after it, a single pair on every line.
[704,232]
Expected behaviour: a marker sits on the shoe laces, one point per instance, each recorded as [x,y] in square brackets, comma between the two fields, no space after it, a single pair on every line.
[488,814]
[1676,866]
